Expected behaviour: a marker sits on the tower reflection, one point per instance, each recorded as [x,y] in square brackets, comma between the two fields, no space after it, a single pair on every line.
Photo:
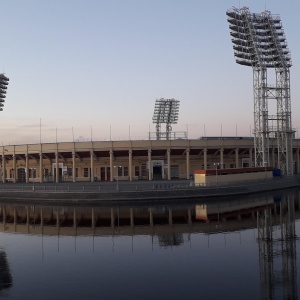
[277,250]
[5,274]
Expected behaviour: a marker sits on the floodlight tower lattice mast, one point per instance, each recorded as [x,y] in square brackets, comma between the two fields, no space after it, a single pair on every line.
[259,41]
[165,111]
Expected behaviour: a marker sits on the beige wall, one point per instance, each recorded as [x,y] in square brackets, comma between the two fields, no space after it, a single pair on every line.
[202,179]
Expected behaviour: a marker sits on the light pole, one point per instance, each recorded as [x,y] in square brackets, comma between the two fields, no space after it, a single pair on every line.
[216,164]
[117,167]
[265,164]
[32,178]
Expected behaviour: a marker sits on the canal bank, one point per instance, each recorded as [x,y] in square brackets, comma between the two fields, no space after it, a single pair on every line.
[159,191]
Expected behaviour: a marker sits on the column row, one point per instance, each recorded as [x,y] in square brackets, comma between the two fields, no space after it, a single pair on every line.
[186,163]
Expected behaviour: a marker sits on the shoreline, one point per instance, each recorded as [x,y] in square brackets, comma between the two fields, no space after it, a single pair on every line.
[150,196]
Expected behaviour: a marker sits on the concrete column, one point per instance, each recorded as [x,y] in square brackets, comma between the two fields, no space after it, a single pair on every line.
[92,166]
[14,167]
[57,167]
[74,166]
[250,157]
[187,163]
[149,164]
[130,165]
[205,158]
[26,168]
[111,158]
[221,158]
[41,167]
[169,163]
[237,158]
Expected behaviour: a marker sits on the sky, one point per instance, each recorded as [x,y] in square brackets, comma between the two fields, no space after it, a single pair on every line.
[92,69]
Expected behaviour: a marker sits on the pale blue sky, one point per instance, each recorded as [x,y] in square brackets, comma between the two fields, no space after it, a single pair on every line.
[97,64]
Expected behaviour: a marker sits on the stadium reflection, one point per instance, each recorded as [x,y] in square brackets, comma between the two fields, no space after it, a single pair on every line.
[272,217]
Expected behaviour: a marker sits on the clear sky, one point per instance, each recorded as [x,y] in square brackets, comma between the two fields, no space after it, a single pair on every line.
[82,68]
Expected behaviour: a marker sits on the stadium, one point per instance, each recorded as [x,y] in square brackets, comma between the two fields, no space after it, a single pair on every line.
[130,160]
[258,42]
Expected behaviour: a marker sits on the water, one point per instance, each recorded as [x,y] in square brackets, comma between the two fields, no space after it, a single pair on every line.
[241,248]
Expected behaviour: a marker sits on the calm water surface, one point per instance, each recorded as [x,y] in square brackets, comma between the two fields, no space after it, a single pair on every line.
[244,248]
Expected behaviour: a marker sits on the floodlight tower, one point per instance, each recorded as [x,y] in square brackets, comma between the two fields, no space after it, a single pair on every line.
[259,42]
[165,111]
[3,86]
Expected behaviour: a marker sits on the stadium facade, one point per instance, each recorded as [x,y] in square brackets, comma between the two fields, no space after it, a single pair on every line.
[130,160]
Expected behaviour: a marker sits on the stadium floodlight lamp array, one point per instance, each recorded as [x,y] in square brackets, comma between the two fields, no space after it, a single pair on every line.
[165,111]
[258,39]
[3,87]
[259,42]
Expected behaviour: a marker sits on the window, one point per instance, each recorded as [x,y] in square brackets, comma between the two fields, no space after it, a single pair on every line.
[125,171]
[76,172]
[144,170]
[137,171]
[85,172]
[69,171]
[119,171]
[174,171]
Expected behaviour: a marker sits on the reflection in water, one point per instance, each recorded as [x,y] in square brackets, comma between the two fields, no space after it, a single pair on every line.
[5,275]
[170,240]
[272,219]
[277,250]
